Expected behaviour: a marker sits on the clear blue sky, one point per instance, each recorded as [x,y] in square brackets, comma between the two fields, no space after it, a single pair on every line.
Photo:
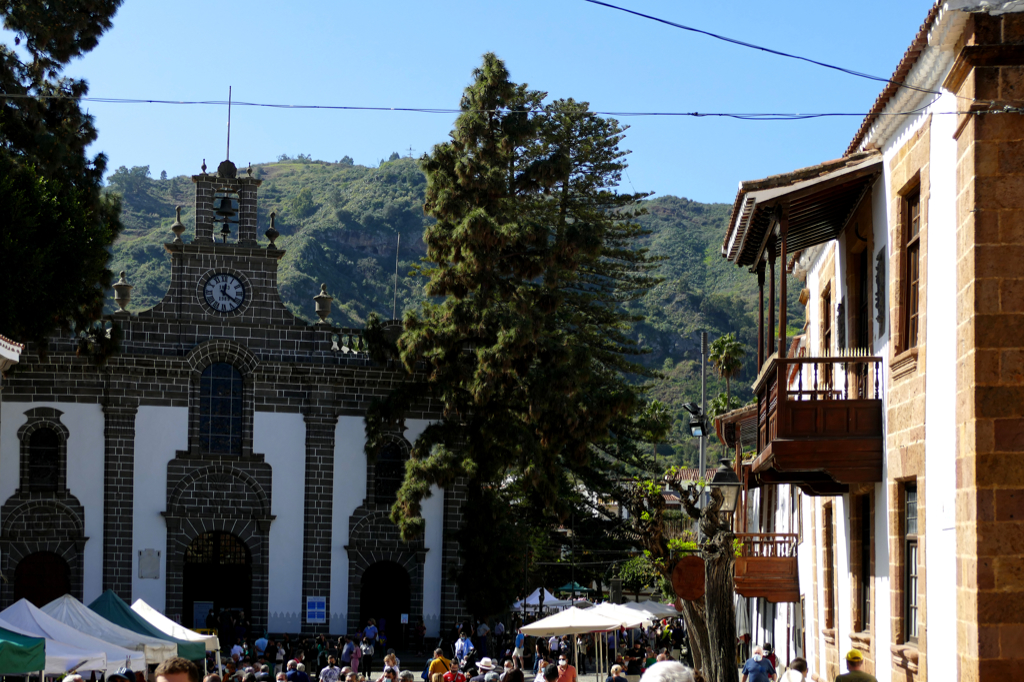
[408,53]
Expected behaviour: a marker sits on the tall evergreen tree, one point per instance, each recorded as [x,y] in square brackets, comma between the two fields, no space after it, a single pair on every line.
[528,352]
[58,223]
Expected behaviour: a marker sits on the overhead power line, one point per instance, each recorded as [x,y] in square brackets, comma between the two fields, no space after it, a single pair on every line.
[780,53]
[747,116]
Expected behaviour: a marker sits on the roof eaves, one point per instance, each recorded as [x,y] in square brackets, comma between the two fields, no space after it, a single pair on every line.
[899,75]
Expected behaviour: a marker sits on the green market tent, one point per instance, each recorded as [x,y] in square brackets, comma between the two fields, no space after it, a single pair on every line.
[114,609]
[574,587]
[20,654]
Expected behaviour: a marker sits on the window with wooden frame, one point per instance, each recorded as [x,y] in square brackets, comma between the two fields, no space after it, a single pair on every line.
[910,292]
[861,526]
[910,564]
[828,566]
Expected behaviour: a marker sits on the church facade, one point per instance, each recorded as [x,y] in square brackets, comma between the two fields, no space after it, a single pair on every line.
[217,459]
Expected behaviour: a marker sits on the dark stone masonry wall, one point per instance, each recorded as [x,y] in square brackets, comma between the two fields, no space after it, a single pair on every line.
[287,365]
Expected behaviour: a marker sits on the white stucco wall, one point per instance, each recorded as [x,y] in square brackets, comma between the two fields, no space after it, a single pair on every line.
[433,514]
[940,392]
[281,438]
[84,473]
[350,491]
[159,433]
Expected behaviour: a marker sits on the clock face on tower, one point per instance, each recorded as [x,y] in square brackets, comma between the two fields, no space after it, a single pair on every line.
[224,292]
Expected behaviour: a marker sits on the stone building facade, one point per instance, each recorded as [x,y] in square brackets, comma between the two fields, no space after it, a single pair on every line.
[222,446]
[917,271]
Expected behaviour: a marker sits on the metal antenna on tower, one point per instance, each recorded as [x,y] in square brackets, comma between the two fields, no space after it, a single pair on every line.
[394,306]
[228,157]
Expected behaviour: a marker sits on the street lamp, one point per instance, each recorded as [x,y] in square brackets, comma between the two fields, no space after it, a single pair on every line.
[698,425]
[728,483]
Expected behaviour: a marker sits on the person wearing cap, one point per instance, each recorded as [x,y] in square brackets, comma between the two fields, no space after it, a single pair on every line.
[854,663]
[758,668]
[122,674]
[485,666]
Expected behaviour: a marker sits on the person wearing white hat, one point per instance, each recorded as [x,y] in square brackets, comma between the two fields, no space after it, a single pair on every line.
[485,665]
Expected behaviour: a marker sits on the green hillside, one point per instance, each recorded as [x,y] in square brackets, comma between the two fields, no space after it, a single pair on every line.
[339,224]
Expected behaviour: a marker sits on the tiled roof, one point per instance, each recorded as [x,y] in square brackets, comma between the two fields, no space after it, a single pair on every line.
[691,473]
[898,76]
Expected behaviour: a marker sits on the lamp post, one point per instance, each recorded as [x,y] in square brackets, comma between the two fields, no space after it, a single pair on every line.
[717,550]
[728,483]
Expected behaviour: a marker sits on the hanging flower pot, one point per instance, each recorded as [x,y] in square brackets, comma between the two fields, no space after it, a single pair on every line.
[688,578]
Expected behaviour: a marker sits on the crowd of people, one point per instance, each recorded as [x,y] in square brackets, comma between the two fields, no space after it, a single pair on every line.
[349,658]
[478,653]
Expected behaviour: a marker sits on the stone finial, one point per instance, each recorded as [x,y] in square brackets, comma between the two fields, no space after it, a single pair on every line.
[177,228]
[204,166]
[122,293]
[272,233]
[248,170]
[323,304]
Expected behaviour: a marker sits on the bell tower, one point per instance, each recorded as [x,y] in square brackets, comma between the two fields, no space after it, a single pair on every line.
[224,276]
[226,206]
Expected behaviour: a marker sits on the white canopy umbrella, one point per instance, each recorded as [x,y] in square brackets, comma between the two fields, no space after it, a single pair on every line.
[26,616]
[655,609]
[72,612]
[168,626]
[62,658]
[572,621]
[626,617]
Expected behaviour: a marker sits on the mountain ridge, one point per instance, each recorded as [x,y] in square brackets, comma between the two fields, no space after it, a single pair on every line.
[339,224]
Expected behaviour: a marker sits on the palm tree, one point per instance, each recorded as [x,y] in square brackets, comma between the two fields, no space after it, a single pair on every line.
[727,357]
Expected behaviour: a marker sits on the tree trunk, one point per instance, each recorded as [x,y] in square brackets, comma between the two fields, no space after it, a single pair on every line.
[695,615]
[719,564]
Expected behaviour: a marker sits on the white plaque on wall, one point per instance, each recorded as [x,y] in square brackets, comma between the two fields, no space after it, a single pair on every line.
[149,564]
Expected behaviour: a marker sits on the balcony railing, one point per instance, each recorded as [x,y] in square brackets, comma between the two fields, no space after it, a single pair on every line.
[767,545]
[766,566]
[821,416]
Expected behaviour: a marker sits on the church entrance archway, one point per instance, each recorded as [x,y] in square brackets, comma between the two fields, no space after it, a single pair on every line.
[384,596]
[41,577]
[217,574]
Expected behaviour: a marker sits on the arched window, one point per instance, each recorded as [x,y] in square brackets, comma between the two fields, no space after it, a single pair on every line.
[389,472]
[220,410]
[43,461]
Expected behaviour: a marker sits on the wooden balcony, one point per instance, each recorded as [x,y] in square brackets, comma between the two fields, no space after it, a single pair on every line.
[819,423]
[766,567]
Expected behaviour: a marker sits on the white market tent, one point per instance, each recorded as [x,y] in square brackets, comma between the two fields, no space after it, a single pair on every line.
[62,658]
[27,617]
[550,600]
[168,626]
[70,611]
